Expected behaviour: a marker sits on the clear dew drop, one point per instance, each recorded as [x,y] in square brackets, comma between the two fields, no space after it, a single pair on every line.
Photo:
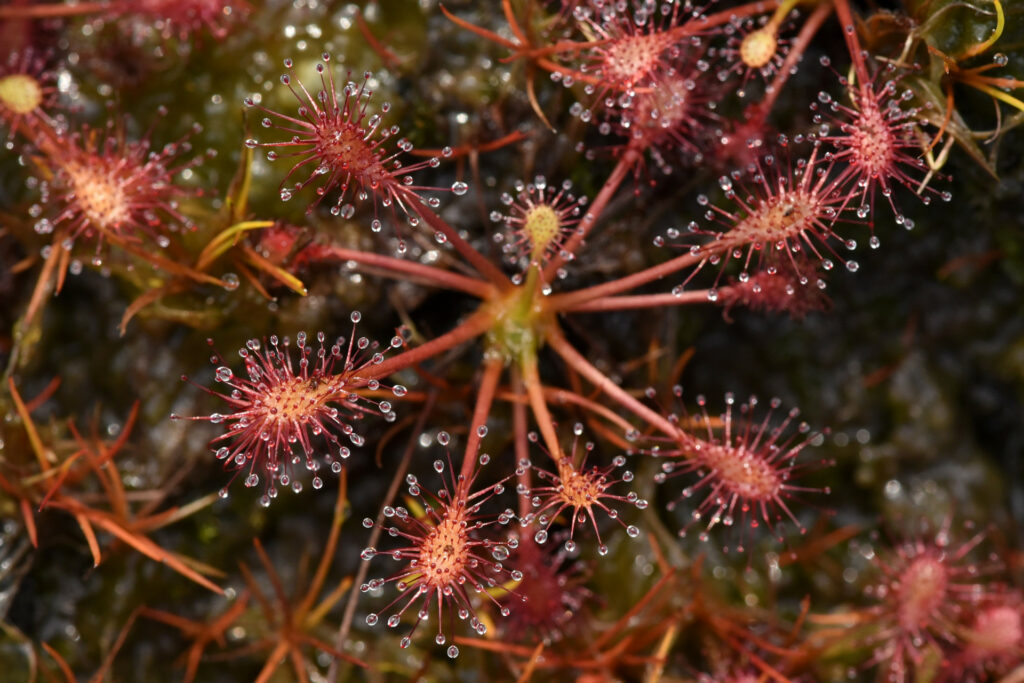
[460,188]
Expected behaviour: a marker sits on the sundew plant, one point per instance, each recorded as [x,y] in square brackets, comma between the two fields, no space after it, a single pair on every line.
[533,340]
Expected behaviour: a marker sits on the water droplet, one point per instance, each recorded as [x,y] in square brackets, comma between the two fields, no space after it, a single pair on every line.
[460,188]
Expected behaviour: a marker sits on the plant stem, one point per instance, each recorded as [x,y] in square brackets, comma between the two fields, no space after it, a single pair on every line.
[626,162]
[429,275]
[364,567]
[627,303]
[535,392]
[564,396]
[474,326]
[522,446]
[574,359]
[493,365]
[724,17]
[60,10]
[849,30]
[465,249]
[567,301]
[796,53]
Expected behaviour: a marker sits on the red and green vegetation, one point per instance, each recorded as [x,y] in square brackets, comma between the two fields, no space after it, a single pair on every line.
[524,297]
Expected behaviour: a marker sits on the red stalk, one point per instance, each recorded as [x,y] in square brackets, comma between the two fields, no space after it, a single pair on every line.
[484,398]
[429,275]
[576,361]
[803,39]
[60,10]
[535,392]
[474,326]
[522,447]
[594,211]
[465,249]
[567,301]
[852,43]
[626,303]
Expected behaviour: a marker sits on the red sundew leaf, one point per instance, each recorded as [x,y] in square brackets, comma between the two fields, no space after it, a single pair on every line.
[105,187]
[280,405]
[580,492]
[447,551]
[746,467]
[928,584]
[344,147]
